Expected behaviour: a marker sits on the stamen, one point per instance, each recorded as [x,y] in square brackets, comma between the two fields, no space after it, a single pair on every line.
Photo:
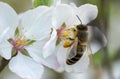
[22,37]
[20,42]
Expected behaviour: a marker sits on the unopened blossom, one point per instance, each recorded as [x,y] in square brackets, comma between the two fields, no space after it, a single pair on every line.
[64,16]
[20,39]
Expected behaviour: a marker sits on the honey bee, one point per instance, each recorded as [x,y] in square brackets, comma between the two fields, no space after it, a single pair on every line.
[77,39]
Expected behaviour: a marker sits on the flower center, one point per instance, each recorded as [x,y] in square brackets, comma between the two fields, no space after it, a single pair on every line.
[18,44]
[67,35]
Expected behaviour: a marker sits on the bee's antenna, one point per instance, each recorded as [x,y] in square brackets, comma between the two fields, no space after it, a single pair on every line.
[79,19]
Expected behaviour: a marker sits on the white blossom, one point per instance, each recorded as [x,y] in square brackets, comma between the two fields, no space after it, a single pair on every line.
[55,55]
[20,39]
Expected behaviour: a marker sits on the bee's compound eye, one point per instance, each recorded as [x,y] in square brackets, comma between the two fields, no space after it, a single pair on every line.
[81,27]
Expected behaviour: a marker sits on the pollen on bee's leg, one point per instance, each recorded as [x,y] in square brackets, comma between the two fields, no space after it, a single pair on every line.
[66,44]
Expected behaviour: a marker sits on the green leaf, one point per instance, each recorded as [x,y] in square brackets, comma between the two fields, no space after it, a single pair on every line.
[58,41]
[10,40]
[63,25]
[14,53]
[42,2]
[24,52]
[29,42]
[17,33]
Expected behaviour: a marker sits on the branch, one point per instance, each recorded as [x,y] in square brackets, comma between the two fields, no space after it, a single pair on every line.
[3,64]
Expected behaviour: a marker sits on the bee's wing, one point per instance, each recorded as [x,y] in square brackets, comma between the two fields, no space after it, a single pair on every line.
[97,39]
[89,50]
[72,51]
[90,55]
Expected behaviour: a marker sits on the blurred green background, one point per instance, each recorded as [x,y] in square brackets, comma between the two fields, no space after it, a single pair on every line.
[107,60]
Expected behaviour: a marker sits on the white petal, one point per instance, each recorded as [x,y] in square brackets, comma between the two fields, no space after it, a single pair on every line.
[61,14]
[7,74]
[8,19]
[5,49]
[52,62]
[61,56]
[25,67]
[36,23]
[80,66]
[49,47]
[36,49]
[36,52]
[87,13]
[4,33]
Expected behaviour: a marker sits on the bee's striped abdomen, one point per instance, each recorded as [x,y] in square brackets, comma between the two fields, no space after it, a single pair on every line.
[80,50]
[74,59]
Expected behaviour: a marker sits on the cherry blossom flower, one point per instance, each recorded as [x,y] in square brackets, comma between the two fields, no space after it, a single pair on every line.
[64,17]
[20,39]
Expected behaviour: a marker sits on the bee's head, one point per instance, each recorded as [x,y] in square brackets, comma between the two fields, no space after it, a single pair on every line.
[81,27]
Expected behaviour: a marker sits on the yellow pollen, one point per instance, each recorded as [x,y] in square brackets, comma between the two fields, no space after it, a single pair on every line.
[66,44]
[65,34]
[20,42]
